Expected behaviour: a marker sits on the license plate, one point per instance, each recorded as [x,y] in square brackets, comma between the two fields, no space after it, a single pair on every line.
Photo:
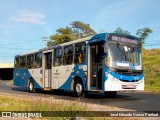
[130,86]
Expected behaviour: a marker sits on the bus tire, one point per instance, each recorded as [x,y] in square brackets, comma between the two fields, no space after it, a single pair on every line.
[110,93]
[31,86]
[78,88]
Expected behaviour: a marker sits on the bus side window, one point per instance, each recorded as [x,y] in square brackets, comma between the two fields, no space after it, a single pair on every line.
[16,63]
[22,62]
[80,53]
[68,55]
[38,60]
[58,57]
[30,61]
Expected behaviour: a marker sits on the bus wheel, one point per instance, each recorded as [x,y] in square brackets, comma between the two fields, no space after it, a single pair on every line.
[31,87]
[110,93]
[78,88]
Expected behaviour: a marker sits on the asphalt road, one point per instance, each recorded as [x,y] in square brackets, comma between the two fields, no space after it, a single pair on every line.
[140,101]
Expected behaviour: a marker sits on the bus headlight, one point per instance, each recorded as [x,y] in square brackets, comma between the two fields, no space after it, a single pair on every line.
[110,77]
[106,74]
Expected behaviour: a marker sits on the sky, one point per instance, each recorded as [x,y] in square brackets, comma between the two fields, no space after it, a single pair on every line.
[25,23]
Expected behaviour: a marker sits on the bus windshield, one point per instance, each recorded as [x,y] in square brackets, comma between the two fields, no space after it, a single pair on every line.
[123,56]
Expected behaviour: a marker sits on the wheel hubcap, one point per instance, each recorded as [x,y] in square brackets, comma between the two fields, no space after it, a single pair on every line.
[79,87]
[31,86]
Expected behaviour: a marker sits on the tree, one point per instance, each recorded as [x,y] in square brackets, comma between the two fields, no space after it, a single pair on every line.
[82,30]
[66,30]
[63,35]
[51,43]
[76,31]
[121,31]
[144,33]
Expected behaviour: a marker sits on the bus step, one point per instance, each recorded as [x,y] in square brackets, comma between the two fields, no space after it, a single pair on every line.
[96,90]
[47,88]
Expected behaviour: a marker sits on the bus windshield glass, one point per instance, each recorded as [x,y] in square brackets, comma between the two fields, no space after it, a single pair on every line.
[123,56]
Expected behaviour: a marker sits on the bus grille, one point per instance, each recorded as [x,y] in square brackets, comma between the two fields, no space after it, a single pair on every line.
[129,73]
[129,80]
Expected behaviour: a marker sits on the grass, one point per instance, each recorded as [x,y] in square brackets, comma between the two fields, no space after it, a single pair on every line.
[11,103]
[151,66]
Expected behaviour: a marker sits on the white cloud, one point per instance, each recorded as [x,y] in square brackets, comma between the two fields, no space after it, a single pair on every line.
[29,17]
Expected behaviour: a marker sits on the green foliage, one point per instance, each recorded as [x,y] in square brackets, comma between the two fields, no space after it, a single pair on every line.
[62,38]
[63,35]
[66,30]
[77,30]
[51,43]
[82,30]
[151,65]
[144,33]
[121,31]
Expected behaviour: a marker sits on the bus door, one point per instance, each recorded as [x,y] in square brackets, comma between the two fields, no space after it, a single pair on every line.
[47,71]
[95,66]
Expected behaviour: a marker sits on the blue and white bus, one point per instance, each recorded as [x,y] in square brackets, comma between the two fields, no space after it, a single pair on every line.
[106,62]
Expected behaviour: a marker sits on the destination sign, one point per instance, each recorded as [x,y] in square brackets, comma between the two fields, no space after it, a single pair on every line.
[120,38]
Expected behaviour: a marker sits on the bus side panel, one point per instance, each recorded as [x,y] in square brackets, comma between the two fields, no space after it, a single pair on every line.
[62,77]
[80,70]
[16,78]
[21,78]
[69,72]
[36,74]
[58,76]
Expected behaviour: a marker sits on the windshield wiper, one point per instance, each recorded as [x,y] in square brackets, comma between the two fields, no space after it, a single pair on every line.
[123,53]
[132,60]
